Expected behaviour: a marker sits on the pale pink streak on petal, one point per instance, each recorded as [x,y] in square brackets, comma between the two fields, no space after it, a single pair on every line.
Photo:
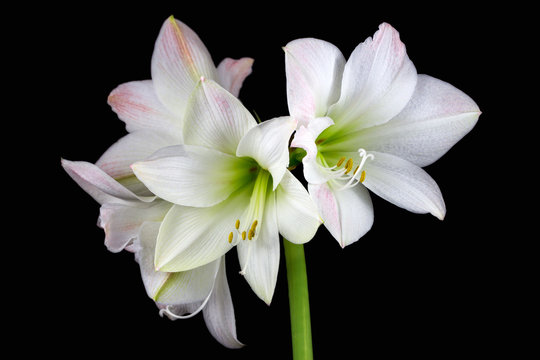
[232,73]
[179,60]
[137,105]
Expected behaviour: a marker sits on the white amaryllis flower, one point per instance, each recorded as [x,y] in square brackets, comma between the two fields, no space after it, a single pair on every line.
[132,222]
[230,186]
[370,123]
[153,112]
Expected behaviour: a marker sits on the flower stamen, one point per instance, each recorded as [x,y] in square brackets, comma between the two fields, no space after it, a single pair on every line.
[344,176]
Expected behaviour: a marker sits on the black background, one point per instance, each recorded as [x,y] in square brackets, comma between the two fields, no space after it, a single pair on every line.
[413,285]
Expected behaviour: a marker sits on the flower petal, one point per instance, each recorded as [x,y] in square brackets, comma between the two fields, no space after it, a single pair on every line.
[122,222]
[133,147]
[137,105]
[259,258]
[172,288]
[232,73]
[305,136]
[268,144]
[100,185]
[314,69]
[347,213]
[404,184]
[215,118]
[219,312]
[179,60]
[190,237]
[193,175]
[297,214]
[378,81]
[435,119]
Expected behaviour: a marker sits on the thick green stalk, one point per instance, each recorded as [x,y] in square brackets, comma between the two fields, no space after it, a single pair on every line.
[298,301]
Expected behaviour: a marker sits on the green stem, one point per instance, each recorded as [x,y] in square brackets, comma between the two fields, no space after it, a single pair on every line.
[298,301]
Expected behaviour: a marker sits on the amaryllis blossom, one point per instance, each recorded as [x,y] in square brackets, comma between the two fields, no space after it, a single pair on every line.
[231,187]
[370,122]
[131,221]
[129,212]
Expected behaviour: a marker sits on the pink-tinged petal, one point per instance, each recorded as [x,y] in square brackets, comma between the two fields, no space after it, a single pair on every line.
[347,214]
[378,81]
[215,118]
[133,147]
[179,60]
[99,184]
[137,105]
[436,118]
[404,184]
[314,69]
[122,222]
[232,73]
[219,312]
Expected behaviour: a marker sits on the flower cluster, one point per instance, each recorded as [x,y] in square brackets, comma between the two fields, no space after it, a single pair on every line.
[197,175]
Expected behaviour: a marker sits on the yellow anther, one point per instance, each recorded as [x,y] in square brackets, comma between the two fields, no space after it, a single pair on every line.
[251,234]
[356,170]
[254,225]
[243,235]
[237,224]
[340,161]
[230,237]
[348,166]
[362,176]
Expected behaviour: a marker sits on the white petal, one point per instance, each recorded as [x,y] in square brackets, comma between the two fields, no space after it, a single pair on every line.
[297,214]
[190,237]
[133,147]
[305,136]
[219,312]
[378,81]
[100,185]
[268,144]
[179,60]
[193,175]
[404,184]
[122,222]
[314,69]
[435,119]
[215,118]
[347,214]
[232,73]
[172,288]
[259,258]
[137,105]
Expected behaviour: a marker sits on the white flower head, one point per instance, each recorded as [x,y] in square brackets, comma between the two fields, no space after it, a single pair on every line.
[153,111]
[230,186]
[370,122]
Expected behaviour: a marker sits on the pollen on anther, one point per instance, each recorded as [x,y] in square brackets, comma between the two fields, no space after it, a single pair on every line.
[362,176]
[356,170]
[237,224]
[230,237]
[251,234]
[254,225]
[243,235]
[340,161]
[348,166]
